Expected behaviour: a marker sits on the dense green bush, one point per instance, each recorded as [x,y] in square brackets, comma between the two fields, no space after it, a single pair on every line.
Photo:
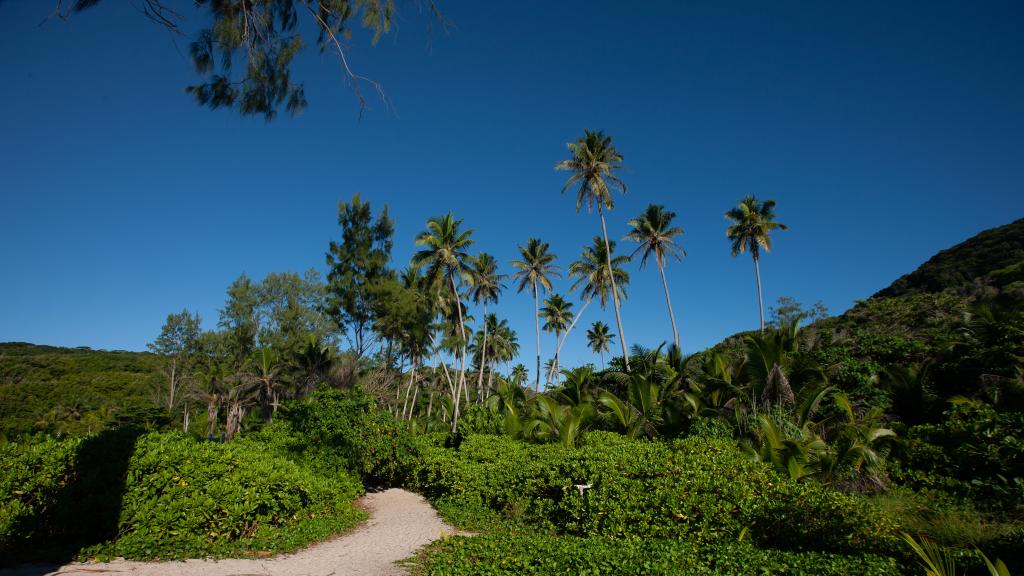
[700,490]
[185,498]
[164,495]
[525,554]
[32,479]
[342,430]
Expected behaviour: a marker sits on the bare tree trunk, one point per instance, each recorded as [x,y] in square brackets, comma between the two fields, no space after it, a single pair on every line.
[462,367]
[668,300]
[415,395]
[483,358]
[566,336]
[212,408]
[173,384]
[615,290]
[412,378]
[536,316]
[184,424]
[760,301]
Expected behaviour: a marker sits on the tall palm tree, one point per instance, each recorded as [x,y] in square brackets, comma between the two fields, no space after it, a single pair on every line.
[557,313]
[444,256]
[535,270]
[484,286]
[593,161]
[599,338]
[752,224]
[591,272]
[654,232]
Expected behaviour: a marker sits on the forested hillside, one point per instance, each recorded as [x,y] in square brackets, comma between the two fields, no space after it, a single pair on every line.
[71,390]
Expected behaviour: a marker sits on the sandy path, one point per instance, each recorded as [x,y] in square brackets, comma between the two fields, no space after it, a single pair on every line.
[400,522]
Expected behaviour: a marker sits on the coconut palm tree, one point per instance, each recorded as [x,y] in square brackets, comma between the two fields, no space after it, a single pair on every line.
[519,374]
[535,270]
[752,224]
[484,286]
[591,272]
[593,161]
[654,232]
[557,313]
[599,339]
[444,256]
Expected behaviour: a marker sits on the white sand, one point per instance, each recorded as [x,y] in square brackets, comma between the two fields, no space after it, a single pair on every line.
[400,523]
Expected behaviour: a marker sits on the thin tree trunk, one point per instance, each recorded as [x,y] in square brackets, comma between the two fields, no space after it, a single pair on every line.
[412,378]
[536,316]
[462,368]
[760,301]
[174,372]
[483,358]
[668,300]
[566,336]
[415,396]
[615,290]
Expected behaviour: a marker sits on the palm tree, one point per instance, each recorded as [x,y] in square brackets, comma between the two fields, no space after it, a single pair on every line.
[519,374]
[593,160]
[535,270]
[484,286]
[591,271]
[654,232]
[444,255]
[599,338]
[557,313]
[752,223]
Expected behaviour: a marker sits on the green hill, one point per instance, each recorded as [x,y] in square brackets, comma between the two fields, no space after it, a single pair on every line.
[70,390]
[988,264]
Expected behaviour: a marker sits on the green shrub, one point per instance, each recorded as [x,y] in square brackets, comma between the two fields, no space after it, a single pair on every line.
[700,490]
[162,495]
[541,554]
[32,479]
[712,428]
[185,498]
[335,430]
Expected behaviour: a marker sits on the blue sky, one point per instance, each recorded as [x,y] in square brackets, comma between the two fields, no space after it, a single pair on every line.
[885,131]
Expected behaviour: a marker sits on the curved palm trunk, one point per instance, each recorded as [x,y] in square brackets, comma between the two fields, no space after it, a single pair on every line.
[668,300]
[615,290]
[483,359]
[573,324]
[760,300]
[536,317]
[462,367]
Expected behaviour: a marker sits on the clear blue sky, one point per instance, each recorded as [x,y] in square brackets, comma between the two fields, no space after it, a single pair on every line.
[886,131]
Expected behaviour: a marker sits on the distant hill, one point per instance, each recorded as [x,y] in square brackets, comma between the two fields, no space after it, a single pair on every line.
[989,264]
[70,390]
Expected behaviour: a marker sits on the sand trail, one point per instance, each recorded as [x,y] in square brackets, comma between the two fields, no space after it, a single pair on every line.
[400,522]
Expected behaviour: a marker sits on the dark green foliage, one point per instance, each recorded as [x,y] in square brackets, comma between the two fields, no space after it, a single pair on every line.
[71,390]
[163,495]
[990,262]
[33,477]
[334,430]
[696,490]
[357,264]
[185,498]
[265,35]
[975,451]
[541,554]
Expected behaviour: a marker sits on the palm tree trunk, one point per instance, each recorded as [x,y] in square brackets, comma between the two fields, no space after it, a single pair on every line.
[462,367]
[408,389]
[760,300]
[536,316]
[483,358]
[615,290]
[566,336]
[668,300]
